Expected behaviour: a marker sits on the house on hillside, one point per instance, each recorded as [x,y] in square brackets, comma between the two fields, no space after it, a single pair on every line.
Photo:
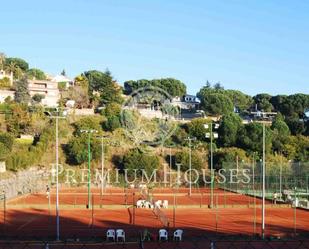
[49,89]
[261,115]
[187,102]
[63,79]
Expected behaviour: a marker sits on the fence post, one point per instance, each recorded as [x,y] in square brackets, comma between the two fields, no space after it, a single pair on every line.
[133,207]
[92,210]
[224,193]
[216,213]
[295,206]
[174,211]
[4,212]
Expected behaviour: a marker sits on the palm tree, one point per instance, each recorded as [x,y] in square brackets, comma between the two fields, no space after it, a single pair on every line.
[2,60]
[12,67]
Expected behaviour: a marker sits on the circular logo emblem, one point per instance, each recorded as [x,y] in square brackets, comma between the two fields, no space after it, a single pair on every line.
[148,116]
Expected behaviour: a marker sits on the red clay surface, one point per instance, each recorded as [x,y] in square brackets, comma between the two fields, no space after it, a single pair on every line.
[118,196]
[21,221]
[194,221]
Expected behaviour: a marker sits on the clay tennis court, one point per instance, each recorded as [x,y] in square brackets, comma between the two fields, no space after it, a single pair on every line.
[29,216]
[117,196]
[79,223]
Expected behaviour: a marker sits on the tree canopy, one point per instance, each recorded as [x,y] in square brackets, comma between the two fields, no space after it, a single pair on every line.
[104,85]
[229,129]
[21,63]
[22,93]
[183,157]
[137,159]
[35,73]
[172,86]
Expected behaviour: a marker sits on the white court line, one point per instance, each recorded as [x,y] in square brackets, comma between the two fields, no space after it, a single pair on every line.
[25,224]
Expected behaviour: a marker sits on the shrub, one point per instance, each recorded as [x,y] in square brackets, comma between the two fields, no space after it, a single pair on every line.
[7,140]
[85,123]
[182,157]
[3,151]
[62,86]
[139,159]
[5,83]
[23,160]
[112,123]
[77,149]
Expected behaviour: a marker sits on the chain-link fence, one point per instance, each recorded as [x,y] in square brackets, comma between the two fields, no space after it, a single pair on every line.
[284,182]
[198,243]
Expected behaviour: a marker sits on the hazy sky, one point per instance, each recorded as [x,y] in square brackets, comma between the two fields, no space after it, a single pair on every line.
[254,46]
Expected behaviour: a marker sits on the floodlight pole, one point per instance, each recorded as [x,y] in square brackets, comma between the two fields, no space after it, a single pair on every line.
[57,117]
[211,134]
[280,178]
[170,165]
[102,163]
[57,178]
[102,166]
[263,186]
[170,162]
[89,161]
[190,163]
[211,169]
[253,189]
[89,132]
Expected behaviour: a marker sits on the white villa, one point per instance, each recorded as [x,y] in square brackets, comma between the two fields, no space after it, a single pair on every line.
[61,78]
[187,102]
[47,88]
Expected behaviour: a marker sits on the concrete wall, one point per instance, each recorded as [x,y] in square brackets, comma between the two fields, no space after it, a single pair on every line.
[28,181]
[81,112]
[6,93]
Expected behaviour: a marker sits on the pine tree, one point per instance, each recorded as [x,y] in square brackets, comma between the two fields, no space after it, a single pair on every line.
[22,94]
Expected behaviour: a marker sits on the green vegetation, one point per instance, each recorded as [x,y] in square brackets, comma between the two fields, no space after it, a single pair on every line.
[217,101]
[6,145]
[18,120]
[35,73]
[137,158]
[183,158]
[22,94]
[20,63]
[172,86]
[26,156]
[77,149]
[104,85]
[5,83]
[37,98]
[287,135]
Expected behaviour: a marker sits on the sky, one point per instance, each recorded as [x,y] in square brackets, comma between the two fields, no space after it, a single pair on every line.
[257,46]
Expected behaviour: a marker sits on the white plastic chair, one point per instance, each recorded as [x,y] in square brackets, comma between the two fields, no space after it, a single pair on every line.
[165,204]
[178,234]
[120,234]
[140,203]
[110,234]
[295,202]
[158,203]
[148,205]
[163,234]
